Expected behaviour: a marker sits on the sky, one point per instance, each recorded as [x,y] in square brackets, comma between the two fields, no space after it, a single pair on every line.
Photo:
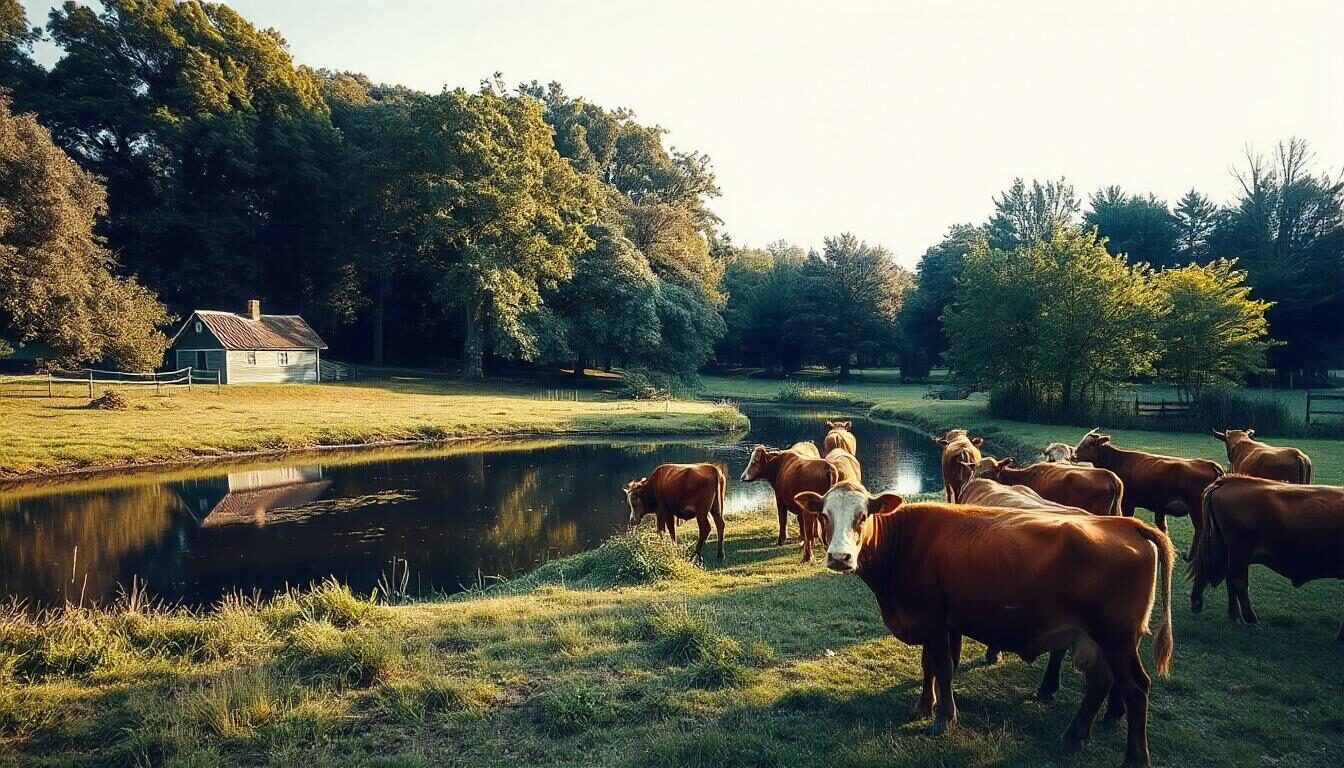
[891,120]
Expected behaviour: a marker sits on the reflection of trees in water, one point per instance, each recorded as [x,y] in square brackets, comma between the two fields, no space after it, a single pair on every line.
[98,533]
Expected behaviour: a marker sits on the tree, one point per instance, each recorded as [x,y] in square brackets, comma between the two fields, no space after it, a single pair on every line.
[1209,327]
[934,288]
[1287,231]
[57,284]
[495,212]
[1140,227]
[19,74]
[848,301]
[1023,215]
[1058,319]
[762,287]
[1196,221]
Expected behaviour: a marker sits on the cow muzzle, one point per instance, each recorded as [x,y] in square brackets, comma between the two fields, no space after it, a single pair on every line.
[843,562]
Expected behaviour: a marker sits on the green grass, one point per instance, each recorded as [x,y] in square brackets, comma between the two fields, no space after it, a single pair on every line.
[43,435]
[760,660]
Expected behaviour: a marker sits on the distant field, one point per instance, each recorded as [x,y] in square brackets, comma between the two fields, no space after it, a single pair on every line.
[41,434]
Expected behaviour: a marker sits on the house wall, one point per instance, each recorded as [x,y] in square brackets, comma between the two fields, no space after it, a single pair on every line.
[214,360]
[302,367]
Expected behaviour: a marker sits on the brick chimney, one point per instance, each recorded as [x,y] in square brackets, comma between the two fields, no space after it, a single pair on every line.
[254,309]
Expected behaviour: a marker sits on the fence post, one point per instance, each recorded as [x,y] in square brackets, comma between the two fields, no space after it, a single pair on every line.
[189,373]
[1308,407]
[49,384]
[90,383]
[219,381]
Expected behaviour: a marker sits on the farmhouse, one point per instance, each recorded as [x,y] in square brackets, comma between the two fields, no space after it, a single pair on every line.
[250,348]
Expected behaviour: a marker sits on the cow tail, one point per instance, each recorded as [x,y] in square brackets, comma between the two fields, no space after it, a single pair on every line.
[1117,497]
[1303,469]
[1164,643]
[723,484]
[1208,560]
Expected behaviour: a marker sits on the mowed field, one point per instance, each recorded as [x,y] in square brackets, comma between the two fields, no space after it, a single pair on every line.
[41,435]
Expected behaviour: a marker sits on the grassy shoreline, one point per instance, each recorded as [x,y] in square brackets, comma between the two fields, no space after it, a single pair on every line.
[628,656]
[45,436]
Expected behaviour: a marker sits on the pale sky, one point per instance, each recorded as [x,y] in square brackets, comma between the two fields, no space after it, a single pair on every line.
[890,120]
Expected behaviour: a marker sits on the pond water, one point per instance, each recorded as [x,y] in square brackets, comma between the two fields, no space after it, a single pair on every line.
[455,514]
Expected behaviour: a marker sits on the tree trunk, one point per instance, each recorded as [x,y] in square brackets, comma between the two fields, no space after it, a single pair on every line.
[844,369]
[1066,395]
[378,309]
[578,365]
[472,346]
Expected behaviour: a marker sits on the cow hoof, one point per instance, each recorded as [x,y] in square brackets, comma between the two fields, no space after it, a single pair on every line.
[920,712]
[940,726]
[1188,555]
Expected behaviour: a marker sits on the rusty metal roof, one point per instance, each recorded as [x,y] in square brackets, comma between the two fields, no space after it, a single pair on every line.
[236,331]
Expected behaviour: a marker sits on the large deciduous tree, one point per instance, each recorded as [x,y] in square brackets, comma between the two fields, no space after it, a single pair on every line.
[57,280]
[934,289]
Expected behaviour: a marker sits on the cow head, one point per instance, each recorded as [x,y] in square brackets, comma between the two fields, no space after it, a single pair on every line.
[841,425]
[987,466]
[843,511]
[760,457]
[634,498]
[1058,453]
[955,434]
[1087,447]
[1233,436]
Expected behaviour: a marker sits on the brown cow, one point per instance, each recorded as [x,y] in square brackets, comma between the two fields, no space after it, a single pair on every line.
[1098,491]
[984,491]
[680,492]
[959,449]
[1249,457]
[840,436]
[789,473]
[1010,579]
[1295,530]
[1164,484]
[1061,453]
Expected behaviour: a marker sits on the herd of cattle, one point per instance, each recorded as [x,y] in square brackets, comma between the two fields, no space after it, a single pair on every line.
[1036,560]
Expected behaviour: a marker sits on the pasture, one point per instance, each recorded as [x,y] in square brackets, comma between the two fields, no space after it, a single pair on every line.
[43,435]
[628,656]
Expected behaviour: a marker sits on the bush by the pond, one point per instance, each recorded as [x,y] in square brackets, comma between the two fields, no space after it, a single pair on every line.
[646,384]
[807,394]
[637,556]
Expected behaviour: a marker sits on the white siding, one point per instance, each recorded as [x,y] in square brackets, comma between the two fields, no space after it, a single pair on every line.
[214,360]
[302,367]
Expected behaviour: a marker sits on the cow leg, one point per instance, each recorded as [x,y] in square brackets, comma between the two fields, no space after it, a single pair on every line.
[924,707]
[1239,586]
[1087,656]
[783,509]
[951,497]
[805,524]
[1050,683]
[1115,707]
[1197,593]
[954,644]
[1160,519]
[704,534]
[991,656]
[718,525]
[1133,683]
[944,705]
[672,527]
[1340,637]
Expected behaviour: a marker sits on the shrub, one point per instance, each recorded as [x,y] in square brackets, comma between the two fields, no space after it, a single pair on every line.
[574,708]
[110,400]
[646,384]
[1222,408]
[806,394]
[727,417]
[639,556]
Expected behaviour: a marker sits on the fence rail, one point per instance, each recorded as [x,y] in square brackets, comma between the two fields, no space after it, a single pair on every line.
[184,377]
[1161,409]
[1315,401]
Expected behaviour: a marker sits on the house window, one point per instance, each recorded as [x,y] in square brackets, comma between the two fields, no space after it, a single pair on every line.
[198,326]
[251,358]
[282,358]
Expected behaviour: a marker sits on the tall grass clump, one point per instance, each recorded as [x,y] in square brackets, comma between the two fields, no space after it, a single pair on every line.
[713,659]
[569,709]
[638,556]
[316,649]
[807,394]
[63,642]
[421,697]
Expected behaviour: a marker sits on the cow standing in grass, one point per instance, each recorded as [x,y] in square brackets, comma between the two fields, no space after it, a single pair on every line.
[1096,490]
[1295,530]
[840,436]
[675,492]
[1250,457]
[1027,582]
[959,449]
[1167,485]
[790,472]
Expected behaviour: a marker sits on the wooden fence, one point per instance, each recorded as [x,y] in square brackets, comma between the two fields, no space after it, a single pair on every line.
[1324,404]
[184,377]
[1161,409]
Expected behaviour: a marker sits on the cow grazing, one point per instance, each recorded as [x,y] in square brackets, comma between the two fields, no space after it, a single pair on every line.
[1010,579]
[675,492]
[1061,453]
[984,491]
[959,449]
[1297,531]
[1098,491]
[790,472]
[1249,457]
[1164,484]
[840,436]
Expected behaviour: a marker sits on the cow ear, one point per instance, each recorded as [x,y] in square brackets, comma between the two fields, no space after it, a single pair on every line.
[1007,462]
[1219,435]
[977,441]
[847,424]
[884,502]
[811,501]
[1250,433]
[1103,439]
[940,440]
[830,425]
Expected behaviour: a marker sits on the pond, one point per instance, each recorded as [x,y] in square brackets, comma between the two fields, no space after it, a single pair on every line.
[457,515]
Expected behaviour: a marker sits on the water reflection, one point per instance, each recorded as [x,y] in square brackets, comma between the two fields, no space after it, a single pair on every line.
[453,513]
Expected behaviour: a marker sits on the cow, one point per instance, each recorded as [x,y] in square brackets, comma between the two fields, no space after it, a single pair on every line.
[1010,579]
[680,492]
[840,436]
[959,449]
[789,472]
[1164,484]
[984,491]
[1061,453]
[1297,531]
[1246,456]
[846,465]
[1099,491]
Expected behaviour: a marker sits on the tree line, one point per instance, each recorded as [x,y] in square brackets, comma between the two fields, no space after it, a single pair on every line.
[175,157]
